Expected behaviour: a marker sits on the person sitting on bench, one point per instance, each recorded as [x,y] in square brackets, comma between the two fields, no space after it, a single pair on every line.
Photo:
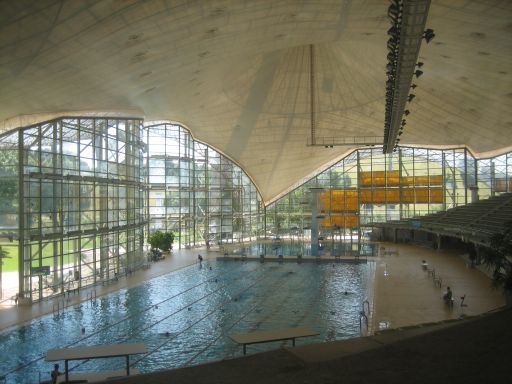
[448,295]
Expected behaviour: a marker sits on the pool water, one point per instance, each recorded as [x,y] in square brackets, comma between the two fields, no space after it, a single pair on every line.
[294,248]
[186,317]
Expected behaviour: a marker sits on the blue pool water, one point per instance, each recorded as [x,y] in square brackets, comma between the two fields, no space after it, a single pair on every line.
[200,308]
[294,248]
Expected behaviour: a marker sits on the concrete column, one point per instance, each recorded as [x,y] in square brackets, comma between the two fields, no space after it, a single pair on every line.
[314,220]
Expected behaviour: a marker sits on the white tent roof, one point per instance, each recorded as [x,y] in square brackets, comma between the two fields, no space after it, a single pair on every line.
[236,73]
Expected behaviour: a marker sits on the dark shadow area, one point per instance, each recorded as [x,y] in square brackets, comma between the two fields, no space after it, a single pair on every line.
[476,350]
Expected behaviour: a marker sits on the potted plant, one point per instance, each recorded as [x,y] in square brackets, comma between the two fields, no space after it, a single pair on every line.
[498,258]
[162,240]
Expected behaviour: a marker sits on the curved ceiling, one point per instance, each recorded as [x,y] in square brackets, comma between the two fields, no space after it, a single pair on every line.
[237,73]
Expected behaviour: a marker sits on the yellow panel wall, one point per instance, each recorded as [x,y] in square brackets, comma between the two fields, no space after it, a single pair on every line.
[379,178]
[392,179]
[409,195]
[339,200]
[341,221]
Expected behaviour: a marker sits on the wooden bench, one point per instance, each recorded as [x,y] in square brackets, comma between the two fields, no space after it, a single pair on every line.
[96,352]
[272,335]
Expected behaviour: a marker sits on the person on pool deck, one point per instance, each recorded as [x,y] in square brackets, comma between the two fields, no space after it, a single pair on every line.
[448,295]
[424,265]
[200,258]
[55,373]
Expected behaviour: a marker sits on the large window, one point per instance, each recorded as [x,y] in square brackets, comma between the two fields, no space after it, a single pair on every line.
[196,192]
[76,213]
[342,202]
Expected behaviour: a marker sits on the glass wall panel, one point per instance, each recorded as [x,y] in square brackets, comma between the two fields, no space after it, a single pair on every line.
[197,193]
[369,187]
[80,206]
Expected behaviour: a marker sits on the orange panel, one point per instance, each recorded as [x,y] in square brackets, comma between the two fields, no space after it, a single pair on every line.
[380,196]
[422,195]
[393,180]
[379,178]
[409,195]
[422,180]
[339,200]
[341,221]
[436,195]
[436,180]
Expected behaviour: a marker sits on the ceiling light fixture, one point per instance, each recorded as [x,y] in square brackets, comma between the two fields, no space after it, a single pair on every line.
[405,35]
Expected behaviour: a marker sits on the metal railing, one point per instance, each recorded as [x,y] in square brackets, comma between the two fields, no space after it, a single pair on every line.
[363,316]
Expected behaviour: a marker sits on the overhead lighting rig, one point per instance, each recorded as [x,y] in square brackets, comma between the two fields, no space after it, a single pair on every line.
[350,141]
[408,18]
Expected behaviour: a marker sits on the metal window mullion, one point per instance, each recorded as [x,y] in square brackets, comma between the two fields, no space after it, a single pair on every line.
[21,214]
[466,187]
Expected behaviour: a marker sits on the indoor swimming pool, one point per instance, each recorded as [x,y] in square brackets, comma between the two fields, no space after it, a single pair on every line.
[186,317]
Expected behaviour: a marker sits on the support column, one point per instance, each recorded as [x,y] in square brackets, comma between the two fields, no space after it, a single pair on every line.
[21,217]
[314,220]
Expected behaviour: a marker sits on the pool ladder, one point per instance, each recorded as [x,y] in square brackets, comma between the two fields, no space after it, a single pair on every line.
[91,296]
[363,316]
[59,307]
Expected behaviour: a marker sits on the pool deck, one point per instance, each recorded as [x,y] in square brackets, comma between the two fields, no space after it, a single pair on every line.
[404,293]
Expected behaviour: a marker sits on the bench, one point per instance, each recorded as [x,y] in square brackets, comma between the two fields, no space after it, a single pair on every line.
[95,352]
[272,335]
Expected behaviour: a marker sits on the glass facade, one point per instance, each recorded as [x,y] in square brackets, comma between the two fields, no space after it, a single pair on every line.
[341,203]
[78,197]
[197,193]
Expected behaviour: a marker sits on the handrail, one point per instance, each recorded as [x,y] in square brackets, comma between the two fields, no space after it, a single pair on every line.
[91,296]
[58,307]
[366,302]
[362,315]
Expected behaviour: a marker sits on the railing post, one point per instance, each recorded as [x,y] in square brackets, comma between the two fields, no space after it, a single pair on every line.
[368,303]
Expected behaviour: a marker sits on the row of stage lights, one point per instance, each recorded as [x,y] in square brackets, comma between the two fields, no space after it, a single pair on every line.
[395,13]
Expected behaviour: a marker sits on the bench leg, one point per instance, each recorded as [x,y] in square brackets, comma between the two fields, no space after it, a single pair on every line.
[293,342]
[244,348]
